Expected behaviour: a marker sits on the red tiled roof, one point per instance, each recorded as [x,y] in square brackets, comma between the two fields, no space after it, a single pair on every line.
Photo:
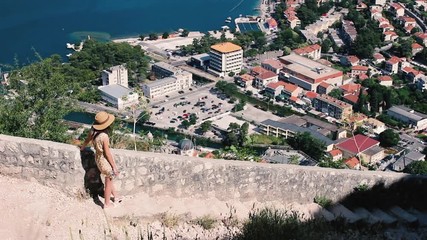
[390,33]
[409,28]
[407,19]
[335,152]
[362,76]
[378,56]
[272,23]
[257,70]
[246,77]
[421,35]
[352,162]
[311,95]
[290,87]
[267,75]
[275,85]
[395,6]
[353,98]
[274,63]
[359,142]
[393,60]
[408,70]
[352,59]
[360,68]
[351,87]
[293,99]
[416,46]
[324,85]
[385,78]
[307,49]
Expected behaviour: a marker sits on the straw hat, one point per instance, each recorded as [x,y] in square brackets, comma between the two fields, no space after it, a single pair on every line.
[103,120]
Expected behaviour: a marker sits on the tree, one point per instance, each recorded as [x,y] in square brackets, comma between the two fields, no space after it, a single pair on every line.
[309,145]
[205,126]
[138,112]
[141,37]
[185,33]
[40,101]
[185,124]
[326,45]
[336,93]
[193,119]
[416,167]
[153,36]
[388,138]
[165,35]
[231,74]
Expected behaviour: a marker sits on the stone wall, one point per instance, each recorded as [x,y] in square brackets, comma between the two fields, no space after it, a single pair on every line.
[60,166]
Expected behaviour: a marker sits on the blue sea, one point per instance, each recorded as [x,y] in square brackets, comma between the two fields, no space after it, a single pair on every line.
[45,26]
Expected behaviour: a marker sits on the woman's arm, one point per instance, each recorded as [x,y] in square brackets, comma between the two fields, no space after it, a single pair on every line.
[108,155]
[86,142]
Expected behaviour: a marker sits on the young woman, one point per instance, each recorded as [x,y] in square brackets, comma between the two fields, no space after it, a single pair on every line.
[104,160]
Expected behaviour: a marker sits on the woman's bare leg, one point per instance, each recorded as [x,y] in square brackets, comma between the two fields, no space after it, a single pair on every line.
[114,192]
[107,191]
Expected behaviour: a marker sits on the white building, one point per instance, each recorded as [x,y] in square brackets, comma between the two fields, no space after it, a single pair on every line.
[172,80]
[416,120]
[225,58]
[115,75]
[118,95]
[164,87]
[307,73]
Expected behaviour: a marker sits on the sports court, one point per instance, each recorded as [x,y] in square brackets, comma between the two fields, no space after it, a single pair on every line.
[248,27]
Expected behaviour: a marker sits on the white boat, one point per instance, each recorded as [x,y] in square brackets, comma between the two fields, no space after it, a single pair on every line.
[228,20]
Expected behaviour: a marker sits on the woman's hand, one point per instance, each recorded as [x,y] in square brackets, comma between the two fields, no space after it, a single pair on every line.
[116,172]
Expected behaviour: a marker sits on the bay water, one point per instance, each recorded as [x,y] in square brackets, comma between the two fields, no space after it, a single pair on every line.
[45,26]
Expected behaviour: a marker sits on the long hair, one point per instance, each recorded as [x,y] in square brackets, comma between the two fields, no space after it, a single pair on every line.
[95,132]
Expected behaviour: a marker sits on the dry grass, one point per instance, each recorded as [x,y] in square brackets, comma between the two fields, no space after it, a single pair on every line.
[169,220]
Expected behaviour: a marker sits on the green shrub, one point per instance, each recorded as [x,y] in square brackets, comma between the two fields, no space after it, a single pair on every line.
[323,201]
[206,222]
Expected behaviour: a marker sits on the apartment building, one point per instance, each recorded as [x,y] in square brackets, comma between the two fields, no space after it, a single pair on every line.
[311,51]
[307,73]
[348,31]
[172,79]
[115,75]
[273,65]
[332,107]
[225,58]
[162,87]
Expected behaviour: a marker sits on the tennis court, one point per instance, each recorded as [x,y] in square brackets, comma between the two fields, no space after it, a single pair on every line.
[248,27]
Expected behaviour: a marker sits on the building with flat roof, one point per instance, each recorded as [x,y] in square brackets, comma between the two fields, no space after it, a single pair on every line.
[172,79]
[115,75]
[286,130]
[225,58]
[332,107]
[414,119]
[307,73]
[407,159]
[118,95]
[163,87]
[200,61]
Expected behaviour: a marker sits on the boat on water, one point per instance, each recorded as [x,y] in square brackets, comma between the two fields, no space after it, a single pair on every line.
[228,20]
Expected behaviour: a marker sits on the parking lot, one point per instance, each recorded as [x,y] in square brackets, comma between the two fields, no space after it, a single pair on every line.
[203,103]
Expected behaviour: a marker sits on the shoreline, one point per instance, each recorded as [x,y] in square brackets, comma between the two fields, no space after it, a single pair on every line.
[261,10]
